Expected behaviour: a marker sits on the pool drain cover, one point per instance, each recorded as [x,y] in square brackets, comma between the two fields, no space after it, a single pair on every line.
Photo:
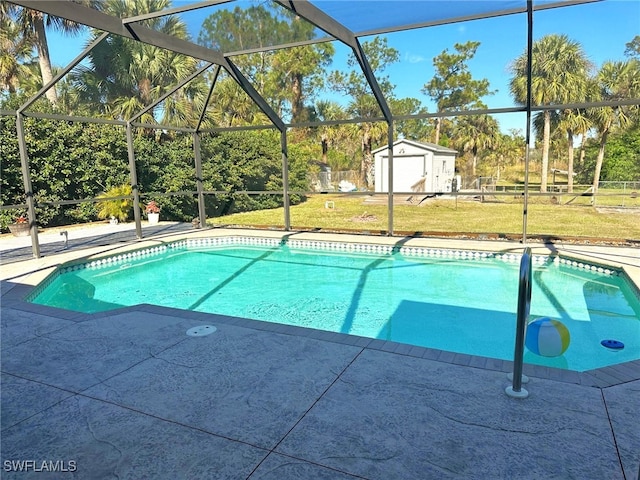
[201,331]
[612,344]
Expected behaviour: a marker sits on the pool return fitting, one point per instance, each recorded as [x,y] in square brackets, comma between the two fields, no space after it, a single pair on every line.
[201,331]
[524,305]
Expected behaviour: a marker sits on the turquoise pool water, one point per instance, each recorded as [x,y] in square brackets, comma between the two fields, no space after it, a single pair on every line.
[462,302]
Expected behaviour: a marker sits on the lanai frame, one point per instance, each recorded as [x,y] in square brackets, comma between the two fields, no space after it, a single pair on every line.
[130,28]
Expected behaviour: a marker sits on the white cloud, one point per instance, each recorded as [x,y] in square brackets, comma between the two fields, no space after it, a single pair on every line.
[414,58]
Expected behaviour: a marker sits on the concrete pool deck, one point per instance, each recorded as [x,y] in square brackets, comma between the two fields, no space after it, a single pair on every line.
[127,394]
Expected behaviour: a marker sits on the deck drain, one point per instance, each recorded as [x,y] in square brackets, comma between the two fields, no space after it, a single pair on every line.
[201,331]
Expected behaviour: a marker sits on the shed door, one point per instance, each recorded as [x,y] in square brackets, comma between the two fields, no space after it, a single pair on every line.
[407,170]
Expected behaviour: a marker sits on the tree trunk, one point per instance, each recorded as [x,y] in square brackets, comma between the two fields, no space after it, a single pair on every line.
[437,131]
[42,47]
[545,151]
[599,161]
[474,165]
[570,162]
[366,167]
[297,106]
[324,141]
[583,143]
[144,87]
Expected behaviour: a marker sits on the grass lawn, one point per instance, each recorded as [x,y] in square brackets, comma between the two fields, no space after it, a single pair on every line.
[501,215]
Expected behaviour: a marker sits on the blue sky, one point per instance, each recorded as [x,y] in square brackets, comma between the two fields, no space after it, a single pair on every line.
[602,28]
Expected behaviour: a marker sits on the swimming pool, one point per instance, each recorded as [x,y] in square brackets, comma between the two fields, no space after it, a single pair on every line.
[459,301]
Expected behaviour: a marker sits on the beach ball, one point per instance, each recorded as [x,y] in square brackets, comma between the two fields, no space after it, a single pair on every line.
[547,337]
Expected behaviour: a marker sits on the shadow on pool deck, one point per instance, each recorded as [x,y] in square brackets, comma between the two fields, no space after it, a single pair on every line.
[127,394]
[82,238]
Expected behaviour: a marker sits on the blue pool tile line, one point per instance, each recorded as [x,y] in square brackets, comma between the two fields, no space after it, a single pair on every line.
[124,259]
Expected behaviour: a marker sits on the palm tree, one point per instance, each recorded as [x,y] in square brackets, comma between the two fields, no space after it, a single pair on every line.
[559,73]
[15,55]
[617,81]
[325,111]
[476,133]
[573,122]
[125,76]
[508,150]
[231,106]
[372,134]
[577,122]
[32,25]
[110,206]
[369,133]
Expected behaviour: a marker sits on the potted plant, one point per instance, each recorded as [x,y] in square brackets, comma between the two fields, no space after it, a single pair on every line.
[153,212]
[21,226]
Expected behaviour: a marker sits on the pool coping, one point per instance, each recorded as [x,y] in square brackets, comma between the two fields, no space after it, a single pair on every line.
[19,286]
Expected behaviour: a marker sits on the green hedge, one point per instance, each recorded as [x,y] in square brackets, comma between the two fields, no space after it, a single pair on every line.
[71,161]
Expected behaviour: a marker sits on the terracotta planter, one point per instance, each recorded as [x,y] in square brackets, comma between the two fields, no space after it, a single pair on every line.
[19,229]
[153,218]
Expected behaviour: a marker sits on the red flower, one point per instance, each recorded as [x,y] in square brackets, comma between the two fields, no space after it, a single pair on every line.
[152,207]
[21,219]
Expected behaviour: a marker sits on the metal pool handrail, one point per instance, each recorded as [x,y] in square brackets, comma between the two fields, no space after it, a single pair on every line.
[524,305]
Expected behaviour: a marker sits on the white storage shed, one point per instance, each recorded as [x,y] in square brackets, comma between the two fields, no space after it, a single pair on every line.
[417,167]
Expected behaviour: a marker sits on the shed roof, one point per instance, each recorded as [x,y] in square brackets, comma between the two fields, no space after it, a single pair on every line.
[432,147]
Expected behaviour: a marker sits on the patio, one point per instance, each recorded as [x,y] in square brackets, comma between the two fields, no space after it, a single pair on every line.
[127,394]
